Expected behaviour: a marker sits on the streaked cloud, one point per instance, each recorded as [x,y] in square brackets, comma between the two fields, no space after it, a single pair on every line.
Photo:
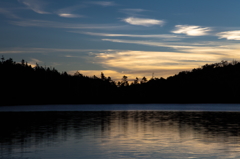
[144,63]
[35,5]
[8,13]
[162,64]
[143,21]
[68,11]
[191,30]
[67,15]
[103,3]
[34,61]
[188,55]
[132,11]
[230,35]
[130,35]
[149,60]
[152,43]
[207,48]
[54,24]
[19,50]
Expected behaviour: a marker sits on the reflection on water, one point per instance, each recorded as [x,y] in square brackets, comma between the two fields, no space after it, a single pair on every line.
[119,134]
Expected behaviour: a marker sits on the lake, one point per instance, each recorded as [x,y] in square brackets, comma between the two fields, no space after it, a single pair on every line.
[130,131]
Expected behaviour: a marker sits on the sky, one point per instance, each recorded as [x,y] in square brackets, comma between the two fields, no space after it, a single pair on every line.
[135,38]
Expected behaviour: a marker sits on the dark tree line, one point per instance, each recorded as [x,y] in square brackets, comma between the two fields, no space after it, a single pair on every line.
[211,83]
[22,84]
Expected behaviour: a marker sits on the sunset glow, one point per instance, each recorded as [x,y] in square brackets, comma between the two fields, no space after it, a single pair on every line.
[120,37]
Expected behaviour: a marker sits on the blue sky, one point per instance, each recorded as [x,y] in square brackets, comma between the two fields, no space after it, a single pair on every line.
[134,38]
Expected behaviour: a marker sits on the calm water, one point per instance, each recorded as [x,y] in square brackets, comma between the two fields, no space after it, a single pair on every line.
[120,131]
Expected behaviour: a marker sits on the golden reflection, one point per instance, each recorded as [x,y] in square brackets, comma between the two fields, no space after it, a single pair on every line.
[122,134]
[170,132]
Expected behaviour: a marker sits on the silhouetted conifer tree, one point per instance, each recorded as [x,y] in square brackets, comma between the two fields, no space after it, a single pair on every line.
[124,81]
[144,80]
[136,81]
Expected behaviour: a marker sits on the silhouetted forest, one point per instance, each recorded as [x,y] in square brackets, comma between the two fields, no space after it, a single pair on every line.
[22,84]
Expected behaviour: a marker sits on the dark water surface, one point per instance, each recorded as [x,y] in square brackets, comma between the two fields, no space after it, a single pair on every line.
[128,134]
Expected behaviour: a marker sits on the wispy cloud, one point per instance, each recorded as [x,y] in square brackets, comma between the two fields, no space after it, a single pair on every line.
[68,15]
[144,63]
[230,35]
[152,43]
[68,12]
[103,3]
[19,50]
[34,61]
[210,48]
[191,30]
[8,13]
[35,5]
[143,21]
[53,24]
[141,60]
[132,12]
[130,35]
